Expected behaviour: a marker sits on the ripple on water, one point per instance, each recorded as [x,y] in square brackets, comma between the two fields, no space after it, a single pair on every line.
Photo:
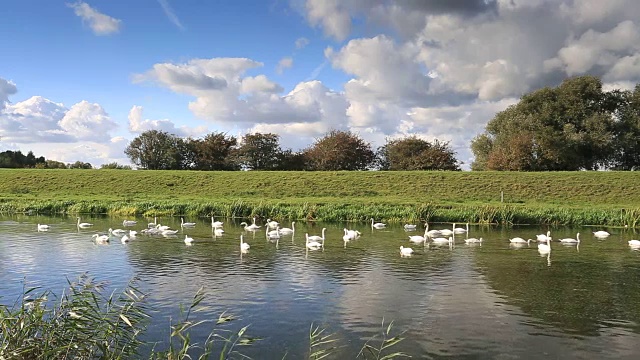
[486,301]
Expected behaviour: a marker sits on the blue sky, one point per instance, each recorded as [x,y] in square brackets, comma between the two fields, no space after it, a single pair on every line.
[79,80]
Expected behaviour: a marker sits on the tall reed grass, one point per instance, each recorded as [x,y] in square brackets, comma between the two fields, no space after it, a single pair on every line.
[83,323]
[342,212]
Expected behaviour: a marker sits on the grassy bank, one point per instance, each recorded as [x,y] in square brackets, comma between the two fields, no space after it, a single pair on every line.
[607,198]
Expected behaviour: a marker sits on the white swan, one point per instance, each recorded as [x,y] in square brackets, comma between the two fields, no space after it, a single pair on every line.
[154,223]
[186,224]
[447,232]
[312,244]
[43,227]
[634,243]
[431,233]
[570,240]
[273,234]
[418,239]
[83,225]
[272,224]
[405,251]
[460,230]
[544,248]
[101,239]
[354,234]
[543,237]
[287,231]
[410,227]
[218,231]
[243,245]
[377,225]
[117,232]
[132,233]
[318,238]
[473,240]
[162,227]
[442,241]
[129,222]
[124,239]
[519,240]
[251,227]
[601,234]
[169,232]
[216,224]
[188,240]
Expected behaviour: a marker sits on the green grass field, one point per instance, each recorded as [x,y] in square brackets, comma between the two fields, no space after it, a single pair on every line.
[551,197]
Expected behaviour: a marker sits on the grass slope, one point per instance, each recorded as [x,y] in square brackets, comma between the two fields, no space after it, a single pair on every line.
[241,193]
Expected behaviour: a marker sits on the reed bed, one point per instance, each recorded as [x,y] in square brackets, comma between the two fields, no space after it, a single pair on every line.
[342,212]
[84,323]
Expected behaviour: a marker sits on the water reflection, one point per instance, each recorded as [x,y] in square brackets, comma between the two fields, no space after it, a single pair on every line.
[455,299]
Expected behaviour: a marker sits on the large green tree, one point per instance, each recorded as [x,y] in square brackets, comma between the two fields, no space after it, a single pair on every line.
[570,127]
[627,147]
[259,151]
[214,152]
[157,150]
[339,150]
[413,153]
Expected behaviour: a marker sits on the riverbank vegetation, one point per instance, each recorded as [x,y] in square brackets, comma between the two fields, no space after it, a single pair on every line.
[573,198]
[85,323]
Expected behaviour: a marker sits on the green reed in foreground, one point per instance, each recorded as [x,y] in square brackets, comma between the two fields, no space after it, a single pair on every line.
[83,323]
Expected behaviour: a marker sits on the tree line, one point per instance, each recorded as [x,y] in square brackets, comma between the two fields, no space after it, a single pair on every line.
[336,150]
[17,160]
[575,126]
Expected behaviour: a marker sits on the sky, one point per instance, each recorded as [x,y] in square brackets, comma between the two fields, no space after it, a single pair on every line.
[80,80]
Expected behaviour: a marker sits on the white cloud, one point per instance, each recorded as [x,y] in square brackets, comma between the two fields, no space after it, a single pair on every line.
[101,24]
[602,49]
[301,42]
[86,121]
[38,119]
[284,63]
[137,125]
[331,16]
[7,88]
[171,15]
[244,99]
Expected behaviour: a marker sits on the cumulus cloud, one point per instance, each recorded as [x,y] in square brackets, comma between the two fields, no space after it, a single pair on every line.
[284,63]
[139,125]
[100,23]
[7,88]
[244,99]
[38,119]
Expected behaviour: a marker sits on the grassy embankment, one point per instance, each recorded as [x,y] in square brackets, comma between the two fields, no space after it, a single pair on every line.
[597,198]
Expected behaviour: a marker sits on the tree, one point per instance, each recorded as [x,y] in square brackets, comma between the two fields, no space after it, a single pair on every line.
[289,160]
[413,153]
[570,127]
[156,150]
[80,165]
[115,165]
[214,152]
[627,151]
[339,150]
[259,151]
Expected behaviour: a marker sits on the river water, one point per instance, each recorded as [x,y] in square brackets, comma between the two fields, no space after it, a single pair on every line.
[488,301]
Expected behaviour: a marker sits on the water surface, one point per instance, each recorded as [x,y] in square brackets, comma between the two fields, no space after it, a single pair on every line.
[485,301]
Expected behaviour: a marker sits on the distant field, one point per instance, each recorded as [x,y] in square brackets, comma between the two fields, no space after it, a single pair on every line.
[584,191]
